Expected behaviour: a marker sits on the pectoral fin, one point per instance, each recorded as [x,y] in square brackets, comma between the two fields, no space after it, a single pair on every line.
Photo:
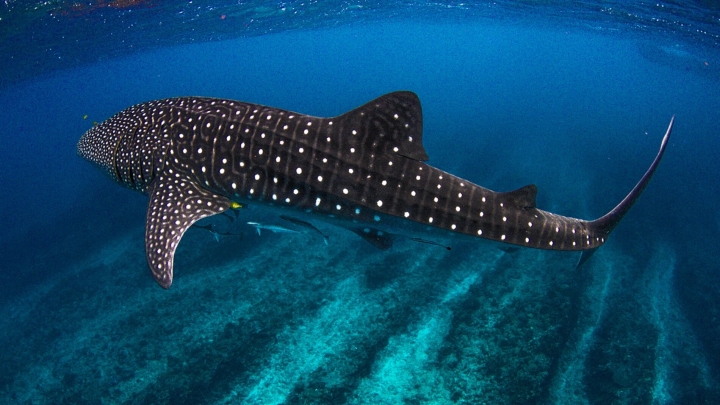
[175,204]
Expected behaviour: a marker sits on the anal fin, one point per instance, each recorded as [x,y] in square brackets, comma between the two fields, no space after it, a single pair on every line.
[379,239]
[175,204]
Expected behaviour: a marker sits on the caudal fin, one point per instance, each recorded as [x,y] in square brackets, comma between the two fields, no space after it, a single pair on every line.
[608,222]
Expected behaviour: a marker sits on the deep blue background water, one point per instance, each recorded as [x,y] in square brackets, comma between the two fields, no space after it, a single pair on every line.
[577,108]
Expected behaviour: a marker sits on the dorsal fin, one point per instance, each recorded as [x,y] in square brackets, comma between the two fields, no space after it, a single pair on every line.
[390,124]
[523,198]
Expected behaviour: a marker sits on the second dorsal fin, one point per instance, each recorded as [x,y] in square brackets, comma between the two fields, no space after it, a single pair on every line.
[523,198]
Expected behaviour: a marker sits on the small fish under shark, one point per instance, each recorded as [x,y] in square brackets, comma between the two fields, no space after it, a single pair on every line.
[272,228]
[363,170]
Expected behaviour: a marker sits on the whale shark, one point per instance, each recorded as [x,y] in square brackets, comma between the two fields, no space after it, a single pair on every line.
[363,170]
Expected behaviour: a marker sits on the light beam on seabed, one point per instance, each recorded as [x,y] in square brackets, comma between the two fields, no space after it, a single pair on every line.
[676,343]
[567,386]
[402,366]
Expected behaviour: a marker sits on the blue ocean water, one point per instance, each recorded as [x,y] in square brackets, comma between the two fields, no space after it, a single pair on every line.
[571,97]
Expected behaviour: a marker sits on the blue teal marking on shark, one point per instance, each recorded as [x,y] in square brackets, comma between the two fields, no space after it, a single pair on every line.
[197,157]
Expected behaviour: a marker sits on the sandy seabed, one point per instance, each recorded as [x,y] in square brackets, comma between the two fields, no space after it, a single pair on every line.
[285,319]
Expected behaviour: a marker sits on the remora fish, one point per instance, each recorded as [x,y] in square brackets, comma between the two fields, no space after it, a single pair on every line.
[272,228]
[215,233]
[307,225]
[197,157]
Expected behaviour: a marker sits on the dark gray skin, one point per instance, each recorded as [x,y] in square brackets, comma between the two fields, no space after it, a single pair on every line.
[197,157]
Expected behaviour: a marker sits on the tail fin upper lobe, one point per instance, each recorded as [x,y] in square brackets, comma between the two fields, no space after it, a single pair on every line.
[609,221]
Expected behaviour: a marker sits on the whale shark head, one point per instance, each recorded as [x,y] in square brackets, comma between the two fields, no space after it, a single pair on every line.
[97,146]
[130,147]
